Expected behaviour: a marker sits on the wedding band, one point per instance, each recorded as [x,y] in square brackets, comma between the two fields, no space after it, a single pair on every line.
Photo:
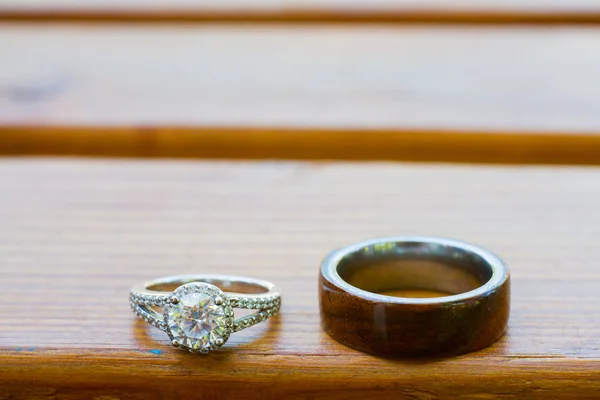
[470,312]
[198,315]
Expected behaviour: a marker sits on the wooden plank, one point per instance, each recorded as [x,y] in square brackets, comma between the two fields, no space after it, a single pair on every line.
[76,234]
[444,94]
[289,11]
[461,78]
[304,144]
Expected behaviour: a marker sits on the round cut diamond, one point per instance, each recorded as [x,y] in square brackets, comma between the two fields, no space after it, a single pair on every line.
[196,321]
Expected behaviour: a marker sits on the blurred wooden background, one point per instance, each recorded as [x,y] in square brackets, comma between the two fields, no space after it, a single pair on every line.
[309,11]
[484,94]
[275,90]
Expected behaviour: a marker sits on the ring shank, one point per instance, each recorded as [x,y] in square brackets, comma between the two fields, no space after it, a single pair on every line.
[473,314]
[231,284]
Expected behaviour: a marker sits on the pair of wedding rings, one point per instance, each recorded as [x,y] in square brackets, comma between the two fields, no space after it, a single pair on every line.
[470,312]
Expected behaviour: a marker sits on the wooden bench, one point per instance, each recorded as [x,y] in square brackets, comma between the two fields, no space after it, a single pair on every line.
[234,149]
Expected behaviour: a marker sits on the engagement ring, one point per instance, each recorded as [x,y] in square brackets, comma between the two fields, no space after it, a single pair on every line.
[198,314]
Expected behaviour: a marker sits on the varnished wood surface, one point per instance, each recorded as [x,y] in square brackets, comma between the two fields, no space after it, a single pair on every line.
[289,11]
[76,234]
[443,94]
[303,144]
[360,77]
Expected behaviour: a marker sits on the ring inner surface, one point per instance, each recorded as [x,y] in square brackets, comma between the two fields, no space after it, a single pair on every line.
[224,285]
[414,269]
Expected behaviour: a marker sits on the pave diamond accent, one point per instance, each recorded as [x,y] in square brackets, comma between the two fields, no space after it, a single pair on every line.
[261,302]
[254,318]
[195,320]
[148,300]
[147,315]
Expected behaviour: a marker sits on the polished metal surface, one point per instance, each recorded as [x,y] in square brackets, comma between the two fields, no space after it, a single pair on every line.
[249,287]
[415,263]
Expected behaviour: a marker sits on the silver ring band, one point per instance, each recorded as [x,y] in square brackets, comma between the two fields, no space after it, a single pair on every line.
[198,314]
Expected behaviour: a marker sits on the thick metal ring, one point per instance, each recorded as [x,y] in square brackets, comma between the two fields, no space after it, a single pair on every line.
[472,314]
[198,314]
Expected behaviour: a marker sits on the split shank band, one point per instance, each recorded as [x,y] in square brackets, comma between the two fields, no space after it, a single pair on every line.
[198,315]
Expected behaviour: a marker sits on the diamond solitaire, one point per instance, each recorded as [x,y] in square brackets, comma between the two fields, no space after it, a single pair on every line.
[198,316]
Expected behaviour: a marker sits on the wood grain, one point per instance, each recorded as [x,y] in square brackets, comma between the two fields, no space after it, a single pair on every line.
[444,94]
[404,327]
[76,234]
[346,11]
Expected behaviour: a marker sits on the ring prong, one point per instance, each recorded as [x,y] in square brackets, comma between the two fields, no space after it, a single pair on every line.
[176,343]
[204,350]
[219,300]
[219,342]
[174,300]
